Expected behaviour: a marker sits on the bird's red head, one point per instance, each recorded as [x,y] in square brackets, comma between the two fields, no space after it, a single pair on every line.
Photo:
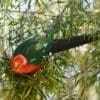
[19,64]
[18,61]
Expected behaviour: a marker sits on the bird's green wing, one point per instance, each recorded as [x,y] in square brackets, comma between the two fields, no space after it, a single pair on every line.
[35,48]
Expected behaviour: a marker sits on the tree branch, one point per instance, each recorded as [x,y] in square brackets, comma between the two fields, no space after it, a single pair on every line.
[72,42]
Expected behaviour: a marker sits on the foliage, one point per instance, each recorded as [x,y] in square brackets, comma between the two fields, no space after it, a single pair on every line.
[66,75]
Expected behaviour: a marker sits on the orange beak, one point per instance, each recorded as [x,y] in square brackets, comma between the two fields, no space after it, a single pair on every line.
[19,64]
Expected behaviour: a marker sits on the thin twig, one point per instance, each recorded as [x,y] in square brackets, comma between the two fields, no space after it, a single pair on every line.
[18,11]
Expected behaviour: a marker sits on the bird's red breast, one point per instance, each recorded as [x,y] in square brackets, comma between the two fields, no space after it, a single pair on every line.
[20,65]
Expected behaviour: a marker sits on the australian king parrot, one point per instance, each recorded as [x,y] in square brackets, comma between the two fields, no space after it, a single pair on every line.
[28,55]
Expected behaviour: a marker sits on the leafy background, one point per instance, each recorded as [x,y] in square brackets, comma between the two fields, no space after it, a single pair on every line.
[67,75]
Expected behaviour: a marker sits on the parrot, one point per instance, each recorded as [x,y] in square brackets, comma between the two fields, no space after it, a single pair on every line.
[29,54]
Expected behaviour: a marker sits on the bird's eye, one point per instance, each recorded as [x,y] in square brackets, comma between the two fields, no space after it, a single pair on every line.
[17,65]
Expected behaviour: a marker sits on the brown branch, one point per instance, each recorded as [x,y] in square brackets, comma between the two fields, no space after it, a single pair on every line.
[72,42]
